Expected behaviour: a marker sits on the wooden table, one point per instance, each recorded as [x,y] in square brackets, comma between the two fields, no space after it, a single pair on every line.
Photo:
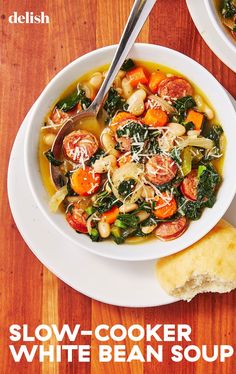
[30,56]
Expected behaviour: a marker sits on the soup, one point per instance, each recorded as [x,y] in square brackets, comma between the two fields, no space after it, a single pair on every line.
[227,12]
[147,167]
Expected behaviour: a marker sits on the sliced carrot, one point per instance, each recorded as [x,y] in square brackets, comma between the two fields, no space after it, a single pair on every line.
[165,209]
[85,182]
[155,79]
[120,117]
[124,160]
[137,75]
[155,117]
[78,107]
[196,118]
[111,215]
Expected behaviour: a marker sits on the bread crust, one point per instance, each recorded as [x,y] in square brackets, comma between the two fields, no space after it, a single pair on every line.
[208,265]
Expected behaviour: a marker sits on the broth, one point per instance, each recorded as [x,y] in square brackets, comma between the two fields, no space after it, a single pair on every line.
[97,126]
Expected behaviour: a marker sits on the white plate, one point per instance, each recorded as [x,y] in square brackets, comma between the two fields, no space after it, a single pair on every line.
[131,284]
[215,42]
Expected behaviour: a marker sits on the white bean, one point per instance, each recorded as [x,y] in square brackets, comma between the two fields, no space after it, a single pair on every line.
[104,229]
[199,101]
[193,133]
[208,111]
[148,229]
[117,82]
[136,102]
[176,129]
[141,93]
[89,90]
[126,208]
[127,88]
[145,88]
[104,164]
[148,192]
[142,215]
[108,143]
[49,139]
[96,80]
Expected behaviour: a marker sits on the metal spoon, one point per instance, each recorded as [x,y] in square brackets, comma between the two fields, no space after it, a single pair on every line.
[136,20]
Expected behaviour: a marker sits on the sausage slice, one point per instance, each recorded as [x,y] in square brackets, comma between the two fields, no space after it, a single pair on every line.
[175,88]
[171,230]
[161,169]
[76,217]
[79,146]
[189,185]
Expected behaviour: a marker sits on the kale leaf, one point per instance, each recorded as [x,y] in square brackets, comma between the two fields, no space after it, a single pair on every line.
[189,125]
[209,179]
[172,185]
[70,101]
[152,146]
[191,209]
[127,220]
[142,205]
[175,154]
[95,157]
[214,133]
[228,9]
[105,201]
[51,158]
[128,64]
[133,129]
[182,106]
[126,187]
[137,133]
[114,102]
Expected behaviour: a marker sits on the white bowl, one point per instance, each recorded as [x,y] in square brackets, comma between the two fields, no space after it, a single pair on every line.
[218,26]
[220,101]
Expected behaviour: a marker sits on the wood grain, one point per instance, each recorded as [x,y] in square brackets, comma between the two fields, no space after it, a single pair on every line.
[30,56]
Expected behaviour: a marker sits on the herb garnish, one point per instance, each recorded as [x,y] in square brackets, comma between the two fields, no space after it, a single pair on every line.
[51,158]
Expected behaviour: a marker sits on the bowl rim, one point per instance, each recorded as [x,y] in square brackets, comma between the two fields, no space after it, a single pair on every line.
[217,24]
[144,257]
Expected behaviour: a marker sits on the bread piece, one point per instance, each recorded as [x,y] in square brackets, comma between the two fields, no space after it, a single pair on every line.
[207,266]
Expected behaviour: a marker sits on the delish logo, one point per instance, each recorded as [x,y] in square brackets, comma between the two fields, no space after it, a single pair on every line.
[28,17]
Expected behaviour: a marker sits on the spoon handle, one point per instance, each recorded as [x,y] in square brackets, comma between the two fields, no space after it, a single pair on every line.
[136,20]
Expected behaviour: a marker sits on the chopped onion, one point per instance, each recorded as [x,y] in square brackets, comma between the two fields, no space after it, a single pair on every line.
[57,199]
[196,142]
[125,172]
[162,103]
